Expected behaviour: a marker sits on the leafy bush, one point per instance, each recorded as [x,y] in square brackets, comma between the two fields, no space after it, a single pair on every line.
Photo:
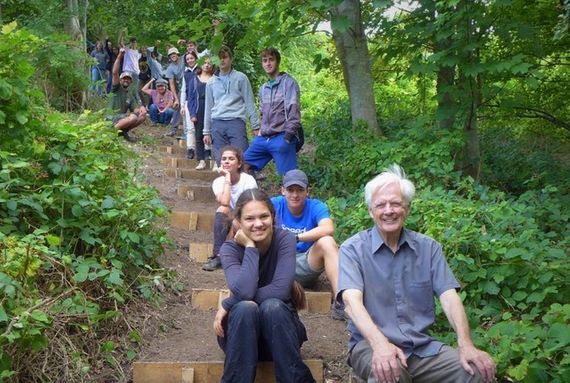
[509,252]
[77,230]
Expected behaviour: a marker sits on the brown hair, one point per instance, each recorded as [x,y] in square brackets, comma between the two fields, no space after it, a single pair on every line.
[225,50]
[238,153]
[253,195]
[271,52]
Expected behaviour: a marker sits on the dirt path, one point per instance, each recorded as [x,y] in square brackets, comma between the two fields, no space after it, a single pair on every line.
[176,331]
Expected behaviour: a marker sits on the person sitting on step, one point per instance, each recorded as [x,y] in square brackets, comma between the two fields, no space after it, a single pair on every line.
[162,99]
[259,320]
[389,276]
[309,220]
[227,189]
[124,103]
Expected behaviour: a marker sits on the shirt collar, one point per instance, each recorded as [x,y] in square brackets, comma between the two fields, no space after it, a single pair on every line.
[377,240]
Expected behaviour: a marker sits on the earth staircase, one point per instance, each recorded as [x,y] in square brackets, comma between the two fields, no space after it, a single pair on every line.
[193,206]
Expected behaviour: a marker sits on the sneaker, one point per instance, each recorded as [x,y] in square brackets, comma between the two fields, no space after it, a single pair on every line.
[190,154]
[172,132]
[126,136]
[215,167]
[212,264]
[201,165]
[337,312]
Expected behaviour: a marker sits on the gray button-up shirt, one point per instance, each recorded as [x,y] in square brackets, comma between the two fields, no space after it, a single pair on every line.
[398,288]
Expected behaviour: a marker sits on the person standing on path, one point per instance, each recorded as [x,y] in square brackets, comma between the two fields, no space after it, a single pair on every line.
[174,74]
[229,99]
[196,96]
[259,320]
[280,118]
[187,103]
[227,189]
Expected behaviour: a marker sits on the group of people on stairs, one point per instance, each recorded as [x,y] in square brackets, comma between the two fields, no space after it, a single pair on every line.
[384,279]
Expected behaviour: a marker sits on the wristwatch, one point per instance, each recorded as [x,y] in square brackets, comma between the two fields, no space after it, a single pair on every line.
[297,237]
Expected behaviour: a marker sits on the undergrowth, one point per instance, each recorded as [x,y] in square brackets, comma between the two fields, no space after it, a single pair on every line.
[78,234]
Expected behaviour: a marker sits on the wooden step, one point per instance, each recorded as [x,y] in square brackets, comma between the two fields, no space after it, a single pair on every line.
[203,175]
[318,302]
[193,221]
[206,372]
[171,149]
[196,193]
[200,252]
[184,163]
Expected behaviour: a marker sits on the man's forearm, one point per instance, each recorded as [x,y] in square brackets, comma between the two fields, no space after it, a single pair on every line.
[455,312]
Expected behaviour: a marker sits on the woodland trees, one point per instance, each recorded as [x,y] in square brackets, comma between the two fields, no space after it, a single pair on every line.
[469,96]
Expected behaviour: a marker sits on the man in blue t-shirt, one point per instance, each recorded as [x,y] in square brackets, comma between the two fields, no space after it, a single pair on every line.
[310,221]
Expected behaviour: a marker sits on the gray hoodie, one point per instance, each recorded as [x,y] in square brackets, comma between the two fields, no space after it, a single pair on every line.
[229,99]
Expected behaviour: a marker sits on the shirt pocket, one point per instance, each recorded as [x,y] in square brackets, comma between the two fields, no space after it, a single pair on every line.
[421,297]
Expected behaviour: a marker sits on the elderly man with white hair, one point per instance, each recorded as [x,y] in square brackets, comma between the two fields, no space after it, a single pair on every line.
[388,278]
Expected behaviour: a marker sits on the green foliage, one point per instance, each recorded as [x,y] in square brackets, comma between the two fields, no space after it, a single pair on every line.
[509,252]
[77,226]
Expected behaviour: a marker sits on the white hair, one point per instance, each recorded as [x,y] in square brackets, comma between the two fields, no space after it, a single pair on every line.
[393,174]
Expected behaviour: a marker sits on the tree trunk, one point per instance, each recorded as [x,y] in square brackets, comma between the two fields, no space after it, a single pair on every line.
[74,30]
[352,49]
[471,162]
[72,25]
[471,87]
[446,105]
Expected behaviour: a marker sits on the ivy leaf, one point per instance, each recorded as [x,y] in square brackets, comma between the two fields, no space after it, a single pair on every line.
[108,203]
[53,240]
[3,315]
[76,210]
[12,205]
[21,118]
[87,237]
[40,316]
[115,277]
[134,237]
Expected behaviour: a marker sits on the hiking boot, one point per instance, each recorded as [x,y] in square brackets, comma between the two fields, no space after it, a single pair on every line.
[190,154]
[126,136]
[212,264]
[337,311]
[201,165]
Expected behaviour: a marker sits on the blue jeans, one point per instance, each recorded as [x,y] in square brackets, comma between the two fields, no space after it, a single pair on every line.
[97,78]
[161,118]
[263,149]
[265,332]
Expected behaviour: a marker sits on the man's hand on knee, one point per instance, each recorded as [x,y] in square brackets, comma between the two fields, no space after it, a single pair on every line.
[471,355]
[384,363]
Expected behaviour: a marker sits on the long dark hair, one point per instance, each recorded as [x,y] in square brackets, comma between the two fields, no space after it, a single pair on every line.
[297,292]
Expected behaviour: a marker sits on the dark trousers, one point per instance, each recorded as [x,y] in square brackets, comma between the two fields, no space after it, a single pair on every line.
[228,132]
[265,332]
[222,225]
